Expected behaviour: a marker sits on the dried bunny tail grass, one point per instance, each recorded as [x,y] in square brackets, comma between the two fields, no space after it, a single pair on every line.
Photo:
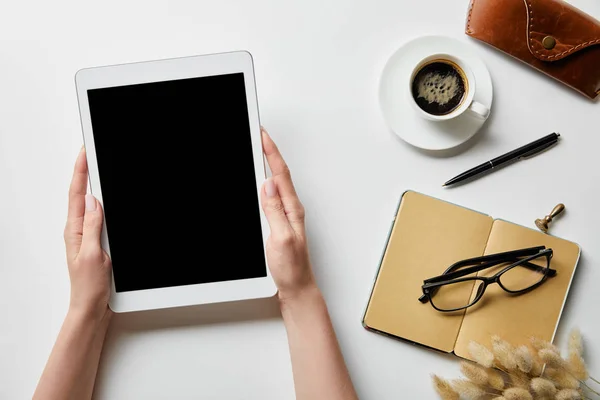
[444,389]
[543,387]
[495,379]
[561,378]
[577,367]
[575,343]
[540,344]
[568,394]
[469,390]
[481,354]
[537,367]
[517,394]
[474,373]
[520,379]
[552,359]
[504,353]
[524,359]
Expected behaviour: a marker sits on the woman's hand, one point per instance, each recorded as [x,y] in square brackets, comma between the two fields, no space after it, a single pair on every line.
[71,369]
[287,252]
[317,363]
[89,265]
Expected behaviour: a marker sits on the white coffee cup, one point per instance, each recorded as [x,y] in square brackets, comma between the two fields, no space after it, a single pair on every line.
[467,104]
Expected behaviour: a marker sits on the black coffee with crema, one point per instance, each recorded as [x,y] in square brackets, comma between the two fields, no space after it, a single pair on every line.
[439,88]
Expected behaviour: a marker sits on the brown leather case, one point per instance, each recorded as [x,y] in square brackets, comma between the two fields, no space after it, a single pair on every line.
[550,35]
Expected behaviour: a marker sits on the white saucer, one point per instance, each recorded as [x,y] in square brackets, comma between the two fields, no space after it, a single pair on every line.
[394,95]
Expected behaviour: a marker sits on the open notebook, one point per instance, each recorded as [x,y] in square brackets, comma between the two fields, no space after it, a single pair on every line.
[426,237]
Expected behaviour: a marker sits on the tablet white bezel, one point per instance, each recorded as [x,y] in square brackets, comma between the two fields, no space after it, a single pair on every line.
[164,70]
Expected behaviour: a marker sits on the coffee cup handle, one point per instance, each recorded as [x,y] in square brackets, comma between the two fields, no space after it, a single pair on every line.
[479,110]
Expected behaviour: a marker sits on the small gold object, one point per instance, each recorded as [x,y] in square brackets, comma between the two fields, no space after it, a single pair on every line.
[549,42]
[544,223]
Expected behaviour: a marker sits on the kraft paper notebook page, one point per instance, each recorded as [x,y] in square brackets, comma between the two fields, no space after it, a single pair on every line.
[427,236]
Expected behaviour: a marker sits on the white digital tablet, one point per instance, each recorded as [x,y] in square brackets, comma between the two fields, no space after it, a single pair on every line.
[175,158]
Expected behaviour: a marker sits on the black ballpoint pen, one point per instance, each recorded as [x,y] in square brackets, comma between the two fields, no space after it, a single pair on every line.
[528,150]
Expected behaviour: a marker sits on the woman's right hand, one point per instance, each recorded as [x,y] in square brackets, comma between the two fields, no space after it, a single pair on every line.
[287,251]
[317,363]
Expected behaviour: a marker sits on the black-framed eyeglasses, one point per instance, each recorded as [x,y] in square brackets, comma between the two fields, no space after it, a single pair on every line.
[519,271]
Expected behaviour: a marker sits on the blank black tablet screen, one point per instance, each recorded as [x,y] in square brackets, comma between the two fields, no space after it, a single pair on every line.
[178,182]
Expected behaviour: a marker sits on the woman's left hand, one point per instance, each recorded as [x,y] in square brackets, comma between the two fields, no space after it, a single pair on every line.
[89,265]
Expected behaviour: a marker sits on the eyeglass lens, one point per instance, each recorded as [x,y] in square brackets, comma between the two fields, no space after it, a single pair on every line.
[454,295]
[523,277]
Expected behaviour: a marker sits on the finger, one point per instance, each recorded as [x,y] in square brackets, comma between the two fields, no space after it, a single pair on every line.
[77,190]
[281,174]
[92,227]
[274,158]
[273,208]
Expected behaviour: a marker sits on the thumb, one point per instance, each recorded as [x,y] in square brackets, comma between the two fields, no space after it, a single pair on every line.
[92,225]
[273,208]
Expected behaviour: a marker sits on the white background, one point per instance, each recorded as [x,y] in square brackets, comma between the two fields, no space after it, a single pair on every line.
[317,66]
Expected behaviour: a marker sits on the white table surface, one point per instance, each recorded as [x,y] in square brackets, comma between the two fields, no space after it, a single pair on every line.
[317,66]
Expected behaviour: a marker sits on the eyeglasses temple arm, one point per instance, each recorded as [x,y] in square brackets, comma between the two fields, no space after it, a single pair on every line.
[464,272]
[458,274]
[496,257]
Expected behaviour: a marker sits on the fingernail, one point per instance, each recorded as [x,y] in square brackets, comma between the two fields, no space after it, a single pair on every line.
[90,203]
[270,188]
